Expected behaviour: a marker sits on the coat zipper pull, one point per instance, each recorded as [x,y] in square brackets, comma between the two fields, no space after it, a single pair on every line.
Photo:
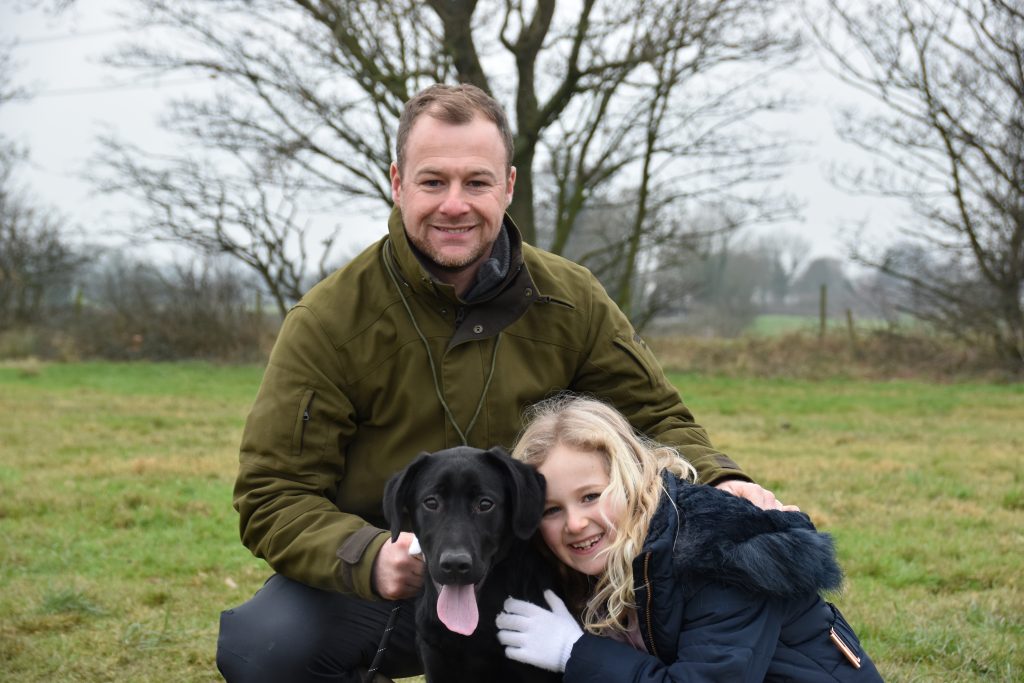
[844,648]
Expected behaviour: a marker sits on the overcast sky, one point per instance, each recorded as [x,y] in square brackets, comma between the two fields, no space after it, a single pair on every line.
[77,97]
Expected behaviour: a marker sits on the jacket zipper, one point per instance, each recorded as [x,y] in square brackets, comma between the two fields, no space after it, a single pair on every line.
[650,599]
[551,300]
[299,437]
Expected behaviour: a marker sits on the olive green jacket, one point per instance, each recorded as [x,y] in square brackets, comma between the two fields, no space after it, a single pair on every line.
[350,395]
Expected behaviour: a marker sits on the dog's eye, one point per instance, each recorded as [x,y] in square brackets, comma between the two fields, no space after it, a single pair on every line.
[431,503]
[484,505]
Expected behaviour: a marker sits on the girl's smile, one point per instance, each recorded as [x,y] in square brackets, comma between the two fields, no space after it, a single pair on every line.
[578,524]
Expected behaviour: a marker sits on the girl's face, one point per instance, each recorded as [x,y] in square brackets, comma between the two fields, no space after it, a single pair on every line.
[578,523]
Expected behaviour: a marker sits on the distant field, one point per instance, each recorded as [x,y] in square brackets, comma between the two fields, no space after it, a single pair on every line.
[781,324]
[118,544]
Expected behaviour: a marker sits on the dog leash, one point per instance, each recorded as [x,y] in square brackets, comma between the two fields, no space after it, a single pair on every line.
[378,657]
[414,549]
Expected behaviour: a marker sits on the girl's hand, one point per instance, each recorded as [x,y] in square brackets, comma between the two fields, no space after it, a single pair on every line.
[536,636]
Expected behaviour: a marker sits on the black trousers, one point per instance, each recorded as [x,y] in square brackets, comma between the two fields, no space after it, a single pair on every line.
[290,632]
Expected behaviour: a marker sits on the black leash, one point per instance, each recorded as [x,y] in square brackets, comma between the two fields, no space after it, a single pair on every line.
[385,637]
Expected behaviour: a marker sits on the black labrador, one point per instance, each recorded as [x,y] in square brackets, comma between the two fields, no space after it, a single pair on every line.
[473,512]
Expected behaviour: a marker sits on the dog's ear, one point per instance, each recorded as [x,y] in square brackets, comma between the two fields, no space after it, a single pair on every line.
[526,486]
[397,490]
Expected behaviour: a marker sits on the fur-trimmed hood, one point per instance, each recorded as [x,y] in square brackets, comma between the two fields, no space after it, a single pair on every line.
[718,536]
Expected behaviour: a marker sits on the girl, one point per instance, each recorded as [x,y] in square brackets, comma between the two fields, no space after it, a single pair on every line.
[672,581]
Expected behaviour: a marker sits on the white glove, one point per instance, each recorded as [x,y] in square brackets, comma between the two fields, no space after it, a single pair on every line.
[533,635]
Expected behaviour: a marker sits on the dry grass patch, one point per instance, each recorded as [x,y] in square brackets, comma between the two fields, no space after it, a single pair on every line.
[881,354]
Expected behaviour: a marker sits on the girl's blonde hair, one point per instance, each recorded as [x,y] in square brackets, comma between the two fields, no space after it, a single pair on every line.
[634,465]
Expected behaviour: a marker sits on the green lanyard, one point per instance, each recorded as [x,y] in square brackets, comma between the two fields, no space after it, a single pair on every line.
[388,256]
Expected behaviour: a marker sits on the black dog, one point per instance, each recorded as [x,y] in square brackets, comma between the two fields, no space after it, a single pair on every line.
[473,512]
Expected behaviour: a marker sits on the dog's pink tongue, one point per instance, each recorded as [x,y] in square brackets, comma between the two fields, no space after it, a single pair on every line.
[456,608]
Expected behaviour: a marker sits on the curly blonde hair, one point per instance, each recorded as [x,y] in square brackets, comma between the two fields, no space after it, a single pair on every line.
[634,464]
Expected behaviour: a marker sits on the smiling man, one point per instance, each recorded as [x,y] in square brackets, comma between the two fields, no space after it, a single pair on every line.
[439,335]
[452,185]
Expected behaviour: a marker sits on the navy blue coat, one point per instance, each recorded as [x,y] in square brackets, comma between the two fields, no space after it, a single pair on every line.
[726,591]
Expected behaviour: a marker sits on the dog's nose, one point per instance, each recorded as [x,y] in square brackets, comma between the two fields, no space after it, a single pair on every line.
[456,562]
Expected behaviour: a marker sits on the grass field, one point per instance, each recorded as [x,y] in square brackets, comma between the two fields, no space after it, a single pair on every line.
[772,324]
[118,544]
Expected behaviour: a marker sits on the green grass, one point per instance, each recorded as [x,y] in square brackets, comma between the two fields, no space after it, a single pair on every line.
[780,324]
[776,324]
[119,548]
[118,544]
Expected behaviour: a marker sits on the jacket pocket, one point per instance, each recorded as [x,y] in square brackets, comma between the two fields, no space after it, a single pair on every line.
[640,356]
[305,414]
[557,302]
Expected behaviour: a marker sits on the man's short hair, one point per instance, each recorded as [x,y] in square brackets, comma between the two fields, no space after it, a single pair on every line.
[457,105]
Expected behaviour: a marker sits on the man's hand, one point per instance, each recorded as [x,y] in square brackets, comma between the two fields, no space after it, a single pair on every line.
[397,574]
[759,496]
[536,636]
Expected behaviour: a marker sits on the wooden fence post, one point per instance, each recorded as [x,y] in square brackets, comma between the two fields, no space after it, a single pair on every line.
[822,310]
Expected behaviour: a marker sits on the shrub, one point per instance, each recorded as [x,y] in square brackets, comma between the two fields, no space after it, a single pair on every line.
[870,354]
[129,309]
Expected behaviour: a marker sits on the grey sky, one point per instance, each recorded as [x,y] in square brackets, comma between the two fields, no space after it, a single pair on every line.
[77,97]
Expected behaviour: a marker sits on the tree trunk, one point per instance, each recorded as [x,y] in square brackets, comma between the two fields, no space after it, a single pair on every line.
[521,209]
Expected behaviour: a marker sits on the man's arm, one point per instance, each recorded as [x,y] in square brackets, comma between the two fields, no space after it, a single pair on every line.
[291,456]
[622,369]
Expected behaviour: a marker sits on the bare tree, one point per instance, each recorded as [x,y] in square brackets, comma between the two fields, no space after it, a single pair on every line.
[600,93]
[784,254]
[7,90]
[686,145]
[949,75]
[9,153]
[715,289]
[139,308]
[250,213]
[37,264]
[665,271]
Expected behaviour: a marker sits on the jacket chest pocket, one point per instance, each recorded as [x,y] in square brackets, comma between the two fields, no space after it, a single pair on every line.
[302,419]
[638,354]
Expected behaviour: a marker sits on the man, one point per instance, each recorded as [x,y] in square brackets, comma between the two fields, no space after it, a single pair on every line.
[438,335]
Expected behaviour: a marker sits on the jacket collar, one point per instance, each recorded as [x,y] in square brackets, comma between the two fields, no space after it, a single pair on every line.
[489,313]
[413,271]
[715,535]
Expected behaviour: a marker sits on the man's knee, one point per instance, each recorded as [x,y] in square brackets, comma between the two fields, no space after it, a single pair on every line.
[276,636]
[266,648]
[291,632]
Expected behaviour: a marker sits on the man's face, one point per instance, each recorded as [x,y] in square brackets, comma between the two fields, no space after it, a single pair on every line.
[453,193]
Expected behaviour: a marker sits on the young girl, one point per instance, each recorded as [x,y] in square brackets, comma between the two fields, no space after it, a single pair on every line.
[672,581]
